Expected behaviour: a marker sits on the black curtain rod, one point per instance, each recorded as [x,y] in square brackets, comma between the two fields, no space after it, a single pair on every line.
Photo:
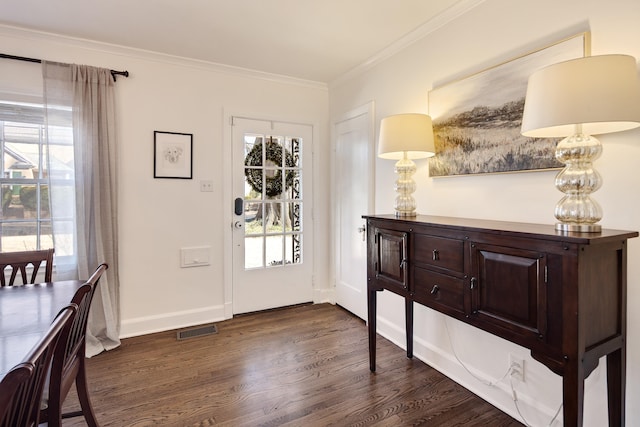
[114,73]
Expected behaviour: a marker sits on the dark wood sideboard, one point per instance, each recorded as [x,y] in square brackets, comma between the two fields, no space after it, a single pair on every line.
[561,295]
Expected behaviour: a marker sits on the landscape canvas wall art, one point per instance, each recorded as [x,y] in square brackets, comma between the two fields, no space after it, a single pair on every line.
[476,120]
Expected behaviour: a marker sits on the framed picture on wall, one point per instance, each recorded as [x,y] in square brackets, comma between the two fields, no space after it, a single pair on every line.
[476,120]
[173,155]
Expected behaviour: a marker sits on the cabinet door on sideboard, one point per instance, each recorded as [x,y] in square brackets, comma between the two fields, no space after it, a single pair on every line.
[509,291]
[391,250]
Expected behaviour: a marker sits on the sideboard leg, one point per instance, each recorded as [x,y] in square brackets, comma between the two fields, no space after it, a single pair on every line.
[616,387]
[573,394]
[371,323]
[408,306]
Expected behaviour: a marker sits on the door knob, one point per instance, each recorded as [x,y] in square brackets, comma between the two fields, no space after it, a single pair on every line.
[363,230]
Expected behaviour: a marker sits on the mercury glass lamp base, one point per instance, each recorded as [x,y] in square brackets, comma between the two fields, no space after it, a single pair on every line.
[576,211]
[405,204]
[578,228]
[400,214]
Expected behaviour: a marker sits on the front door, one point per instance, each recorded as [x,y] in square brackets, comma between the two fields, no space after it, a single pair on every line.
[272,237]
[354,136]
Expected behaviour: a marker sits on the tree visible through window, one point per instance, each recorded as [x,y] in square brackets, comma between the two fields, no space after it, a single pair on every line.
[28,165]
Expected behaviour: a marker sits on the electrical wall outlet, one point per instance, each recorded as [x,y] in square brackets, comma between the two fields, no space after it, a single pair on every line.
[516,364]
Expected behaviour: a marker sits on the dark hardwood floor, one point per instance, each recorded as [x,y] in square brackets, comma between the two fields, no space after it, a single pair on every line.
[300,366]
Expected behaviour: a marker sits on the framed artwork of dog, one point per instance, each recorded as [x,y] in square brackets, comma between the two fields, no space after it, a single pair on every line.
[172,155]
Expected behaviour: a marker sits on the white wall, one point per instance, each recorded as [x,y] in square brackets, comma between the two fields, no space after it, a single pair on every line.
[493,32]
[159,216]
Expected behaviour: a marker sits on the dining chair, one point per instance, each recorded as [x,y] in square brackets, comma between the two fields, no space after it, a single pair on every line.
[19,261]
[21,388]
[68,365]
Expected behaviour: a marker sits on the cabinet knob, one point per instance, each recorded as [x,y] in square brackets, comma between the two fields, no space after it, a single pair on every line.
[435,289]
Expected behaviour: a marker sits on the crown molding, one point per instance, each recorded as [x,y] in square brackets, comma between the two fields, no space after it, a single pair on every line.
[112,49]
[439,21]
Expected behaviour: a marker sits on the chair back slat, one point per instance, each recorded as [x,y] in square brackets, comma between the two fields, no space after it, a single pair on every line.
[18,262]
[82,299]
[21,388]
[68,362]
[13,387]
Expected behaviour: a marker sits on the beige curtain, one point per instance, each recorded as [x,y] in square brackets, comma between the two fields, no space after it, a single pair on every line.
[85,96]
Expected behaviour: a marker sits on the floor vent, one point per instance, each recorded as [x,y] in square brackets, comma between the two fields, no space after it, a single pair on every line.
[197,331]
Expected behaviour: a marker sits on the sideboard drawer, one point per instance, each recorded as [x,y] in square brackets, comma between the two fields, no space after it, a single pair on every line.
[439,252]
[439,291]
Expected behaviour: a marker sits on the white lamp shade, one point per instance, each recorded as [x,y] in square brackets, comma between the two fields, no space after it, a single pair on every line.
[406,133]
[601,93]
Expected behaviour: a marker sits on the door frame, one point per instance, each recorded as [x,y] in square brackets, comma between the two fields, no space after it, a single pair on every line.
[368,108]
[228,197]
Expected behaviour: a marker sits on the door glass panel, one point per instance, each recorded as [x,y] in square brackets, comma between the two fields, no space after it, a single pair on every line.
[274,251]
[293,168]
[296,216]
[253,257]
[292,248]
[273,200]
[252,217]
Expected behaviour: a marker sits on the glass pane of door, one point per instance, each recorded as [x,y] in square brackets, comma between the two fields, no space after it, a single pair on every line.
[273,203]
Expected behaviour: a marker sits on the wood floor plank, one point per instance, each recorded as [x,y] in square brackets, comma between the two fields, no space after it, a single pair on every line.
[300,366]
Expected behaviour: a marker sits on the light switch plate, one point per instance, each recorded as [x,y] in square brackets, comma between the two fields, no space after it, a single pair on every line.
[206,186]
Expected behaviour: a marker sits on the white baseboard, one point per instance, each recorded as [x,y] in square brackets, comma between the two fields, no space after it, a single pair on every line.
[168,321]
[322,295]
[499,395]
[182,319]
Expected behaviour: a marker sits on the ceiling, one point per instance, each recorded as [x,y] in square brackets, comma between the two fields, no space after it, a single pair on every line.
[317,40]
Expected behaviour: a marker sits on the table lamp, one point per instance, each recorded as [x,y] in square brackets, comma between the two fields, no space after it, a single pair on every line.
[575,99]
[404,137]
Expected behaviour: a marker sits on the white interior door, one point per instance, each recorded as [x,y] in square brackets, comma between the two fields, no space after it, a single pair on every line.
[272,236]
[354,191]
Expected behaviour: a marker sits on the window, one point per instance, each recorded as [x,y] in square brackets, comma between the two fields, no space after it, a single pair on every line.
[28,168]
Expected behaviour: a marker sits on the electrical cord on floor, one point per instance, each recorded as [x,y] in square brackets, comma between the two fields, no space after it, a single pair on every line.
[512,367]
[515,401]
